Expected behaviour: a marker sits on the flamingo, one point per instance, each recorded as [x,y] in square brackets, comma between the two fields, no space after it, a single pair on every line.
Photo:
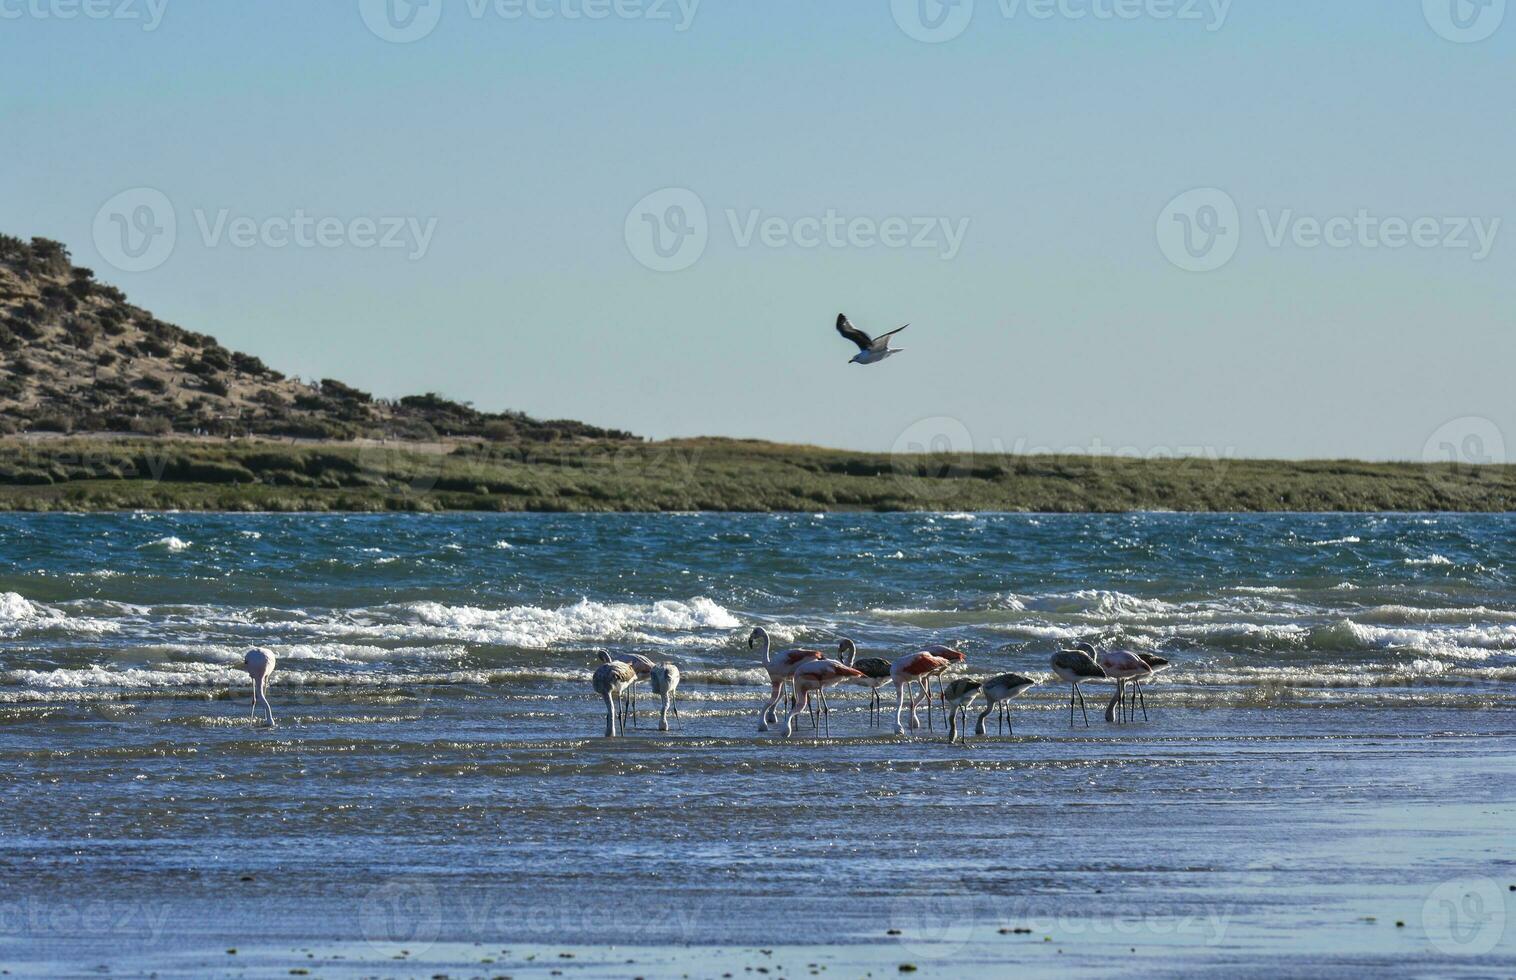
[946,653]
[1077,665]
[1121,666]
[875,670]
[781,667]
[1155,664]
[956,698]
[815,675]
[259,664]
[610,680]
[665,681]
[914,668]
[999,690]
[642,667]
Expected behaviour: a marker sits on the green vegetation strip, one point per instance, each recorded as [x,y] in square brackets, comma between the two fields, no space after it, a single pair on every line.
[85,474]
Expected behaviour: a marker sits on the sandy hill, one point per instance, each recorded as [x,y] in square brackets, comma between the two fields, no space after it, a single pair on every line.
[75,356]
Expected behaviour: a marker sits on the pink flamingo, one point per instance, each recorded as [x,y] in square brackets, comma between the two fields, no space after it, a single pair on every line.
[1121,666]
[916,668]
[781,668]
[946,653]
[815,676]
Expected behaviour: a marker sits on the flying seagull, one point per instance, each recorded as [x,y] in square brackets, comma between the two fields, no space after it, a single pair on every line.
[869,348]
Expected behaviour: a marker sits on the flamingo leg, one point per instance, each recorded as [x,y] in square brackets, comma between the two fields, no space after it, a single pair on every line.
[1143,701]
[801,704]
[1072,689]
[916,700]
[1081,707]
[610,713]
[900,706]
[767,717]
[1116,699]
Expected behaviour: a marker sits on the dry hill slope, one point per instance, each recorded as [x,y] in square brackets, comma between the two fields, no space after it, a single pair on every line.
[75,356]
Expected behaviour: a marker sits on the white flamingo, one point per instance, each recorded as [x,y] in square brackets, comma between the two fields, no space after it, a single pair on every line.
[781,668]
[956,698]
[259,664]
[643,668]
[876,673]
[1077,665]
[665,681]
[610,680]
[999,690]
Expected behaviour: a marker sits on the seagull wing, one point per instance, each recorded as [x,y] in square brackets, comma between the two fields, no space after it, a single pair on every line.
[863,340]
[882,341]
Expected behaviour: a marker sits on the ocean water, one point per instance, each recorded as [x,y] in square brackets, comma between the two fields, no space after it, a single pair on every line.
[1331,752]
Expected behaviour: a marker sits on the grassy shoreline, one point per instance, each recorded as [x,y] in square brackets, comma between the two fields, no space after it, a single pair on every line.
[133,473]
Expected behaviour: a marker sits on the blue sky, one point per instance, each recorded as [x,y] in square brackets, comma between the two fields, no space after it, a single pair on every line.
[520,141]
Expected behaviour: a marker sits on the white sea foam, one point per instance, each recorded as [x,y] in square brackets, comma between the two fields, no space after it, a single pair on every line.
[1350,539]
[14,606]
[1422,614]
[1433,559]
[535,627]
[1108,603]
[170,543]
[20,616]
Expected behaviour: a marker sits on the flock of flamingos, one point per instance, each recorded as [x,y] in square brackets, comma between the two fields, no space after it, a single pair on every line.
[808,673]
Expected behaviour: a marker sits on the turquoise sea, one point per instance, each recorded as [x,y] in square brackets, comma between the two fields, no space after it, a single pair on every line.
[1324,780]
